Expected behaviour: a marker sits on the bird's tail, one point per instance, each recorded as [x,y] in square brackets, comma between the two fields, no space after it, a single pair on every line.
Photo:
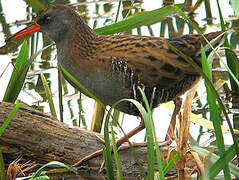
[215,39]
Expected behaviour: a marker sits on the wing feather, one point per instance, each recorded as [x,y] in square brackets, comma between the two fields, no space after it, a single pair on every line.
[151,59]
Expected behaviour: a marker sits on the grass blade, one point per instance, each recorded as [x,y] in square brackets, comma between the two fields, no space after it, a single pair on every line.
[218,162]
[41,178]
[151,138]
[10,117]
[139,19]
[2,129]
[233,69]
[36,5]
[60,94]
[150,143]
[170,163]
[116,155]
[214,112]
[18,75]
[39,171]
[48,95]
[107,148]
[116,117]
[108,163]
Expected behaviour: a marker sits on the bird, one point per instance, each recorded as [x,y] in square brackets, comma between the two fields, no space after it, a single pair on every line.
[112,67]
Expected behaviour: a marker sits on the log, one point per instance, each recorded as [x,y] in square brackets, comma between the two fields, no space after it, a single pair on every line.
[39,137]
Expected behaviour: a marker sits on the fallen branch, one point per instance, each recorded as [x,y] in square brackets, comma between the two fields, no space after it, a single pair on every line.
[39,137]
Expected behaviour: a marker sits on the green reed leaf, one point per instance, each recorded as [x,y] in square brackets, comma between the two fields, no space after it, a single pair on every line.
[152,142]
[18,75]
[2,129]
[10,117]
[139,19]
[107,148]
[116,155]
[48,95]
[214,111]
[218,162]
[39,171]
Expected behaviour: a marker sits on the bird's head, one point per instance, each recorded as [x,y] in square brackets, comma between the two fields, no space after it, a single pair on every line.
[56,22]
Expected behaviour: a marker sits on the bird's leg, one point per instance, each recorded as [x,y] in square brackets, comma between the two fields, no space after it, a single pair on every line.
[140,127]
[122,140]
[125,138]
[170,133]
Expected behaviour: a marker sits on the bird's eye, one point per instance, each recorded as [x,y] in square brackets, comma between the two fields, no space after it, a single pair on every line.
[45,20]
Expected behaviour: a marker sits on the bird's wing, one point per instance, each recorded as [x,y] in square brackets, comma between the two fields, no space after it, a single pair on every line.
[151,59]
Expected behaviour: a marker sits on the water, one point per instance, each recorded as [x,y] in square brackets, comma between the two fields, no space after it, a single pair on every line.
[97,15]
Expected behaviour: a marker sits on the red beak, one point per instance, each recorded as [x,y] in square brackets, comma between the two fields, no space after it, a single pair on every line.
[28,30]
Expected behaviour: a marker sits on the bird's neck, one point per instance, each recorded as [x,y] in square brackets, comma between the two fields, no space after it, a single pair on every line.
[78,32]
[82,32]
